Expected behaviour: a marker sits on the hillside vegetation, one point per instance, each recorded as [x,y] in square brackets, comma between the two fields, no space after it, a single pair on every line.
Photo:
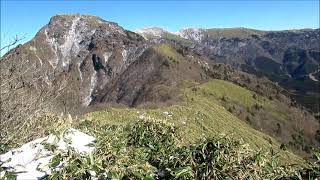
[197,139]
[234,33]
[198,116]
[201,138]
[265,114]
[165,108]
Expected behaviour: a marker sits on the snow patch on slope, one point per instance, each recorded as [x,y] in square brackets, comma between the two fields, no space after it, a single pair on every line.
[31,160]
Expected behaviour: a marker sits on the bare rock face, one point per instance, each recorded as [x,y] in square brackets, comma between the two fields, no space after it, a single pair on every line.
[194,34]
[95,50]
[69,59]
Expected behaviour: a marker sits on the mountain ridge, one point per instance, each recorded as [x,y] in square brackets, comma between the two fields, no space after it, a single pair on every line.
[286,57]
[78,63]
[150,30]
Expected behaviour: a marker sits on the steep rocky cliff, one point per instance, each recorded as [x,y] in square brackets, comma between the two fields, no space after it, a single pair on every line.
[76,55]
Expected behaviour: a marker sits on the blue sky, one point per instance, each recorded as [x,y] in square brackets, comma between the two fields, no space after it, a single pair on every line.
[24,17]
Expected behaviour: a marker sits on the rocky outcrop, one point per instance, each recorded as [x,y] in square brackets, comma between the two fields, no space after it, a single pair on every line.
[194,34]
[68,60]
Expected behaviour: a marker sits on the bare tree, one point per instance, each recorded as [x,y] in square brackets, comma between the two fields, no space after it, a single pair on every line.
[24,93]
[13,42]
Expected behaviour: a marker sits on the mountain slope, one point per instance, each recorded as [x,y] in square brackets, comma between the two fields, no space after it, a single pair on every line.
[286,57]
[67,61]
[81,63]
[198,116]
[153,77]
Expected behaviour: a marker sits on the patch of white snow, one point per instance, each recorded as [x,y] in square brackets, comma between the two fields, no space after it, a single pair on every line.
[31,160]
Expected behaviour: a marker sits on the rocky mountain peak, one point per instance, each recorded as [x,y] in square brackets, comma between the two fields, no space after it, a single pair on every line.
[194,34]
[67,35]
[153,32]
[79,53]
[66,20]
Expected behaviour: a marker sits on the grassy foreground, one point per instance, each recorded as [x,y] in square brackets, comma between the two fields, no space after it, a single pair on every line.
[201,115]
[151,149]
[198,139]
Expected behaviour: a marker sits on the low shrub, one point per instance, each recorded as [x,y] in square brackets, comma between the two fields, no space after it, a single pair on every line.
[150,149]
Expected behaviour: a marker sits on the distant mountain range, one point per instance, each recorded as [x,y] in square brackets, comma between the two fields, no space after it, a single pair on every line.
[290,58]
[81,63]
